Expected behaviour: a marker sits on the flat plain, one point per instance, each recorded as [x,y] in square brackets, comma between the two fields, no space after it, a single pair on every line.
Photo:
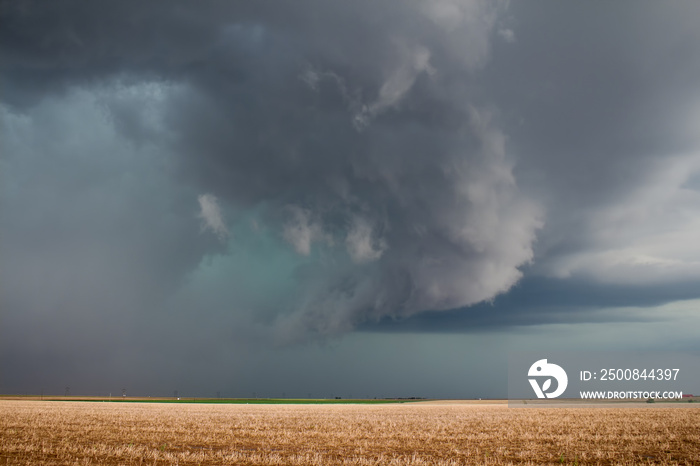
[422,433]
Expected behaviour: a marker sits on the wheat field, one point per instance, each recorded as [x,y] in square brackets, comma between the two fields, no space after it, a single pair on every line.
[41,433]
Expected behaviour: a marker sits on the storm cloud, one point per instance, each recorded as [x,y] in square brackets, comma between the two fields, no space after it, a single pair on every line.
[354,127]
[259,173]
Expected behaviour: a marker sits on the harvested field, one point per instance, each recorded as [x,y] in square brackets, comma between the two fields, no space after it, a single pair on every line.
[36,432]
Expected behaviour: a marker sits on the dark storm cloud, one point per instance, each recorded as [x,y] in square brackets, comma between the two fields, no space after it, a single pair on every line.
[186,183]
[208,172]
[353,123]
[544,301]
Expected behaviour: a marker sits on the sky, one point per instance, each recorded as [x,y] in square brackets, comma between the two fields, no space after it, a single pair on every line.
[327,198]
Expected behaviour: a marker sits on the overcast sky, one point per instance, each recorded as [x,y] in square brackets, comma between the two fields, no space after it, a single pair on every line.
[366,198]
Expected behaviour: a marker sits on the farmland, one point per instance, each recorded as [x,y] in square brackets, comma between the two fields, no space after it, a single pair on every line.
[49,432]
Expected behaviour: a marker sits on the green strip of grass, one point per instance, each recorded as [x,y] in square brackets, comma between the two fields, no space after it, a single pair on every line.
[269,401]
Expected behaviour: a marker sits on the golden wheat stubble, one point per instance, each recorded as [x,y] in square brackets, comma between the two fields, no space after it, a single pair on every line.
[36,432]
